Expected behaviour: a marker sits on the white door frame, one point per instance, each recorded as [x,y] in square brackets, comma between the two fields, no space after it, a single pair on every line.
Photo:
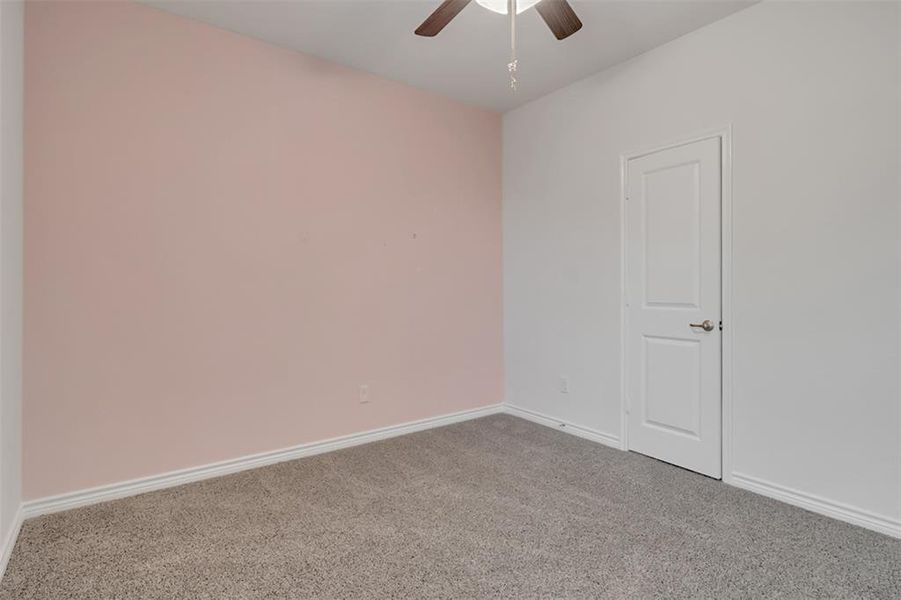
[725,136]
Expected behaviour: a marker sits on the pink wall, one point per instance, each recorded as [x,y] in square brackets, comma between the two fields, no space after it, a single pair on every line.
[224,239]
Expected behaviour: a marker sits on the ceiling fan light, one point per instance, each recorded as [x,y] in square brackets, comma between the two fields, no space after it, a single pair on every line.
[500,6]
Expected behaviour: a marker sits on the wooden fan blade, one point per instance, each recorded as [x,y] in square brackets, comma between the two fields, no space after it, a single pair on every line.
[441,17]
[560,17]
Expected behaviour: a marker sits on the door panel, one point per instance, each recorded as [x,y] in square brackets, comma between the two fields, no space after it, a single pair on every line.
[673,256]
[672,390]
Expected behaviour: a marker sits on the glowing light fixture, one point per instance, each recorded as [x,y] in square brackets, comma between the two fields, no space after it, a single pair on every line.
[500,6]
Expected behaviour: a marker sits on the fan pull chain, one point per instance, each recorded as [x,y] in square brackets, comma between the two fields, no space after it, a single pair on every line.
[511,66]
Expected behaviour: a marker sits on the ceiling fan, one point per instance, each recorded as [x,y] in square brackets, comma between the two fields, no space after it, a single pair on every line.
[558,15]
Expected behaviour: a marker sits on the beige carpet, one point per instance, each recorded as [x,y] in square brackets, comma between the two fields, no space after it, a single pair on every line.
[493,508]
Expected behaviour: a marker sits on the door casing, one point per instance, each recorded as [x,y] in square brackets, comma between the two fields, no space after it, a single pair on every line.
[725,136]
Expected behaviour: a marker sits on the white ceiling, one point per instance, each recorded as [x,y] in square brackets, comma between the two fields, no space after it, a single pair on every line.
[468,60]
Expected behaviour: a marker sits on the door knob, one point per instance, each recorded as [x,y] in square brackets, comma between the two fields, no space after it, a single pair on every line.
[706,325]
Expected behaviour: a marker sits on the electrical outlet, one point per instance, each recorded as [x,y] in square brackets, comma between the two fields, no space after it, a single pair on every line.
[364,394]
[563,384]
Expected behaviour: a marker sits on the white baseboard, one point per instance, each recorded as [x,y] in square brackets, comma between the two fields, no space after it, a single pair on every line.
[817,504]
[8,543]
[52,504]
[133,487]
[571,428]
[835,510]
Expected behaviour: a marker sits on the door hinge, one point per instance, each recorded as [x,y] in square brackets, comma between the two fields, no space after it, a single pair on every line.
[721,325]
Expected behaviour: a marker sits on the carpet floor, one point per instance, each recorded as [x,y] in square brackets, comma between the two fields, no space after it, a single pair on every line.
[493,508]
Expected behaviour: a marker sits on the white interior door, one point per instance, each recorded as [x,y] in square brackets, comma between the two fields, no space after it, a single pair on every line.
[673,305]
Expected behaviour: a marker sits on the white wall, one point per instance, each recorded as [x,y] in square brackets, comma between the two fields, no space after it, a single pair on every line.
[11,89]
[812,93]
